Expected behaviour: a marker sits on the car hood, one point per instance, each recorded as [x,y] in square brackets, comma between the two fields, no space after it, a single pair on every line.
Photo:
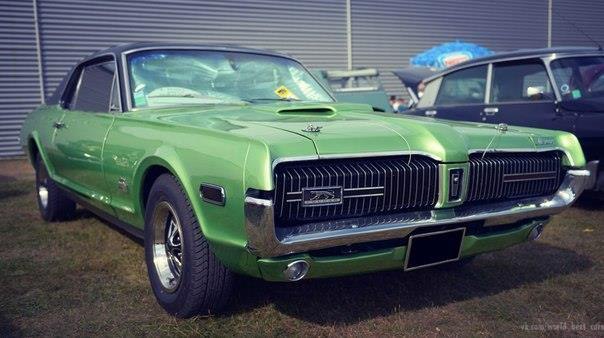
[346,129]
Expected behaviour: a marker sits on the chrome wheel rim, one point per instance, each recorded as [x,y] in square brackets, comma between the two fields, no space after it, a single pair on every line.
[167,246]
[43,195]
[43,188]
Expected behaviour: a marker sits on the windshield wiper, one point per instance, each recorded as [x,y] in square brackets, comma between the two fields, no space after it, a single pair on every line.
[287,99]
[188,96]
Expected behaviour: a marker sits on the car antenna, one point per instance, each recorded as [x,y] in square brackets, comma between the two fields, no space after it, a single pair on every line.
[580,31]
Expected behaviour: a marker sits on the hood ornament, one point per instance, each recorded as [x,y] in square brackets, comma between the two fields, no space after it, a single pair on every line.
[310,128]
[502,128]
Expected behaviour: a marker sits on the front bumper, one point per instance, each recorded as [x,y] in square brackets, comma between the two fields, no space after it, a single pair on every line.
[265,241]
[271,269]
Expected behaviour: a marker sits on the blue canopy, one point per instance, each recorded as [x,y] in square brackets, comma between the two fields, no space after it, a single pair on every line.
[449,54]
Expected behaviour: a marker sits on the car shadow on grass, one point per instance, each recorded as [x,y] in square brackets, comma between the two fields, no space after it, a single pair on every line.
[353,299]
[590,201]
[348,300]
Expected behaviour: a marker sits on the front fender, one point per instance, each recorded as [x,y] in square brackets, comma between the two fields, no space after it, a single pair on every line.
[223,226]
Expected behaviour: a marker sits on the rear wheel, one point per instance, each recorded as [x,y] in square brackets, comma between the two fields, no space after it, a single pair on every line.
[185,276]
[53,204]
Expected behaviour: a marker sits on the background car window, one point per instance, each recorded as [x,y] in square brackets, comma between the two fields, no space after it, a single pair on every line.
[429,95]
[579,77]
[464,86]
[527,81]
[94,90]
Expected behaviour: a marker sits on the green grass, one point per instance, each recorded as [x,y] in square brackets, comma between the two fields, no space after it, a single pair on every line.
[84,278]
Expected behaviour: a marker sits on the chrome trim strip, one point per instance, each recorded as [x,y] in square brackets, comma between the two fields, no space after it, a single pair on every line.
[364,188]
[364,195]
[353,155]
[280,160]
[263,241]
[514,150]
[524,150]
[381,154]
[592,166]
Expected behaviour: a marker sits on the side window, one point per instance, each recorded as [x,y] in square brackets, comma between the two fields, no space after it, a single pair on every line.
[94,91]
[465,86]
[514,82]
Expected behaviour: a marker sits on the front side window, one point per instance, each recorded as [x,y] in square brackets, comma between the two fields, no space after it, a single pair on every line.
[579,78]
[95,88]
[180,77]
[520,81]
[466,86]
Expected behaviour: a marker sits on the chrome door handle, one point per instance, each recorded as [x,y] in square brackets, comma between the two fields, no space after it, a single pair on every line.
[58,125]
[430,112]
[490,111]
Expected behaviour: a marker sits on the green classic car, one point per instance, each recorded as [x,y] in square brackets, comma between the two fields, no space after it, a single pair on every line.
[229,160]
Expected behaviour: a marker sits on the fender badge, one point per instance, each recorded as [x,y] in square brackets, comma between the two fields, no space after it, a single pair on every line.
[122,185]
[544,141]
[502,128]
[312,128]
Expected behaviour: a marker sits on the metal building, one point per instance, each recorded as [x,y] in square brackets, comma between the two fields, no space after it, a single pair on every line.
[41,39]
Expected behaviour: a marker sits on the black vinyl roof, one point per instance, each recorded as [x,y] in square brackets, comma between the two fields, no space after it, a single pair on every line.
[130,47]
[119,50]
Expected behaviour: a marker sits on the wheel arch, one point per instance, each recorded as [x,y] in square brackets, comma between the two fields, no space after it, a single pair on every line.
[163,161]
[35,149]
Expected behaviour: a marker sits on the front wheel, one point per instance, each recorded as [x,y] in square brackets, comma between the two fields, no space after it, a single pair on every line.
[185,276]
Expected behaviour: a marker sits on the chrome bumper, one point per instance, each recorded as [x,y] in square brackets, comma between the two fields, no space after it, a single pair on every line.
[265,241]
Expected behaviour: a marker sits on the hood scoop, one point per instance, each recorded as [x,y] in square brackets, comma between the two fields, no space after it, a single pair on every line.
[313,110]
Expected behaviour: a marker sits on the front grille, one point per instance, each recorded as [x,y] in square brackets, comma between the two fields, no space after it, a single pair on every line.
[497,176]
[368,186]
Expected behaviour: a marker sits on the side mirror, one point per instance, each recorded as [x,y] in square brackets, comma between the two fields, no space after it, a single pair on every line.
[558,108]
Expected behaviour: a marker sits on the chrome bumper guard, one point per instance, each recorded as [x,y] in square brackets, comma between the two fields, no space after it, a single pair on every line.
[264,240]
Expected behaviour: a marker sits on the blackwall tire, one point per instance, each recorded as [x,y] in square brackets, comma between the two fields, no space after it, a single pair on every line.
[186,278]
[53,204]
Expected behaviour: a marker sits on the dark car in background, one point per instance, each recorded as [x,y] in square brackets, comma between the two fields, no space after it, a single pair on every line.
[554,88]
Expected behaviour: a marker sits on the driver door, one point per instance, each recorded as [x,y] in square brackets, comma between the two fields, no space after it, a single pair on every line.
[80,135]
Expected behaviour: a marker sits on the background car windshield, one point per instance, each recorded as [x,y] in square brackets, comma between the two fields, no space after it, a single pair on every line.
[192,77]
[579,77]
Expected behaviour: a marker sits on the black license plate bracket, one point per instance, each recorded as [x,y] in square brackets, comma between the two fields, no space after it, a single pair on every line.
[434,248]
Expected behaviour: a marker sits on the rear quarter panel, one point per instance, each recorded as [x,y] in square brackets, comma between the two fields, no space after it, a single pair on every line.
[38,131]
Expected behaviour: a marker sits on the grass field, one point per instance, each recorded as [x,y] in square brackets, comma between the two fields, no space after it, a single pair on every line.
[84,278]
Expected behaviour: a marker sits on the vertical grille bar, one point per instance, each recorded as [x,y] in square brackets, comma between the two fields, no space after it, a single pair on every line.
[513,175]
[369,186]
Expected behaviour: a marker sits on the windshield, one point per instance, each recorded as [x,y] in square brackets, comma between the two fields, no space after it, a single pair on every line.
[579,78]
[176,77]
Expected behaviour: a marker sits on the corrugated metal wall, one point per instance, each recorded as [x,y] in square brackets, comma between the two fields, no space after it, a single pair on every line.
[314,31]
[19,85]
[587,15]
[389,34]
[385,34]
